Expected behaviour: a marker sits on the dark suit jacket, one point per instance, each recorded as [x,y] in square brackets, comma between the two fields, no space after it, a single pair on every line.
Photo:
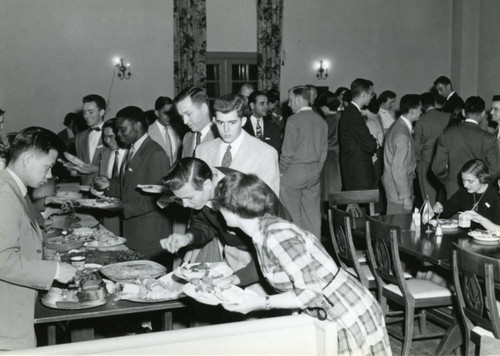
[453,103]
[272,133]
[22,270]
[458,145]
[427,131]
[144,224]
[357,147]
[82,152]
[190,137]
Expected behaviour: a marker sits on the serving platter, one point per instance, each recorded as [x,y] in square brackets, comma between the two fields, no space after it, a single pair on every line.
[485,237]
[152,188]
[151,291]
[231,295]
[213,270]
[133,270]
[105,242]
[99,203]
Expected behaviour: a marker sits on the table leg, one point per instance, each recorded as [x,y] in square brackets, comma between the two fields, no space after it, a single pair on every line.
[452,339]
[167,320]
[51,334]
[82,334]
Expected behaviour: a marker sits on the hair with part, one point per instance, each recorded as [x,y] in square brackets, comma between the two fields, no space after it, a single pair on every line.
[230,102]
[386,95]
[442,80]
[162,101]
[188,170]
[302,91]
[110,123]
[408,102]
[253,97]
[197,95]
[328,99]
[359,86]
[474,105]
[97,99]
[245,195]
[37,139]
[478,169]
[133,114]
[427,99]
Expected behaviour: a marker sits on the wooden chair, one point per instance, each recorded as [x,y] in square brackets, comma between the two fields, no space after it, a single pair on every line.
[340,224]
[476,279]
[412,294]
[353,198]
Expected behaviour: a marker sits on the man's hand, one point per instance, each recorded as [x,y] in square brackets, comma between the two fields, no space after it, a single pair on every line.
[438,208]
[66,273]
[101,182]
[176,241]
[408,204]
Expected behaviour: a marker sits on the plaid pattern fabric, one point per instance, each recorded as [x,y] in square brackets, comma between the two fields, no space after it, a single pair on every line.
[294,260]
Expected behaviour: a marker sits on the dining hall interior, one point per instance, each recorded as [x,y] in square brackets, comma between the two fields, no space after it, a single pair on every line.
[415,259]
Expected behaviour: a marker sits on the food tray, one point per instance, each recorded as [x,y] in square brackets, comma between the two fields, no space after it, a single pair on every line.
[133,270]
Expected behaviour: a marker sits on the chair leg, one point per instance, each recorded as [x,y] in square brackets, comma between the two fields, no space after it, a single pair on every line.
[422,322]
[408,333]
[384,306]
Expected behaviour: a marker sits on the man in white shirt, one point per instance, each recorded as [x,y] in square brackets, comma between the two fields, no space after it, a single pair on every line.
[386,102]
[399,157]
[163,130]
[88,143]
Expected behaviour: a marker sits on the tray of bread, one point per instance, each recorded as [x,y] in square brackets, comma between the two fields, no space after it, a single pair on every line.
[86,291]
[133,270]
[150,290]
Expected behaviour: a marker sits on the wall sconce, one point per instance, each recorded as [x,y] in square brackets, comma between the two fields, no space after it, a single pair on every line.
[322,72]
[123,70]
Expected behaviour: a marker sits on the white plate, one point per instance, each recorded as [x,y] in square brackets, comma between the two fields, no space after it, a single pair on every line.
[448,223]
[232,295]
[151,188]
[484,236]
[216,270]
[84,188]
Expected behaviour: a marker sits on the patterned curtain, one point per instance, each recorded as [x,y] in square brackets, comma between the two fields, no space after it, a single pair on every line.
[269,25]
[190,43]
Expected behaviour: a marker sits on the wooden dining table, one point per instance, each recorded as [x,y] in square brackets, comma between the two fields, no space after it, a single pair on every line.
[423,244]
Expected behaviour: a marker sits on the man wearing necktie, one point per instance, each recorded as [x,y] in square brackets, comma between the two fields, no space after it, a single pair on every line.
[88,143]
[259,126]
[22,270]
[144,224]
[164,131]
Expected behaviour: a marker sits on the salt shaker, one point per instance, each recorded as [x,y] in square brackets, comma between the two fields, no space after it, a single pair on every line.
[439,231]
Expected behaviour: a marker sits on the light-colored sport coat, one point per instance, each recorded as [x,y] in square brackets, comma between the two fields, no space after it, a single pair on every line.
[155,134]
[22,271]
[399,162]
[189,137]
[253,156]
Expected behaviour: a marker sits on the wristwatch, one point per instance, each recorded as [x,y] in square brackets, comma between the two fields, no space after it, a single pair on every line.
[267,304]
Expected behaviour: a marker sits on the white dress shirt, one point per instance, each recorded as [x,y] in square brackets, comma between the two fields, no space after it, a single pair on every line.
[203,132]
[254,121]
[235,145]
[169,136]
[387,118]
[121,157]
[137,144]
[94,137]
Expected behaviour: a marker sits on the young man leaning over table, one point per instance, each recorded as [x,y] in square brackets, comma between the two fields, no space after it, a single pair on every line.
[22,271]
[193,183]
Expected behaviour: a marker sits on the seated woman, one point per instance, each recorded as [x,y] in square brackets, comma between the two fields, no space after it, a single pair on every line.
[477,194]
[296,264]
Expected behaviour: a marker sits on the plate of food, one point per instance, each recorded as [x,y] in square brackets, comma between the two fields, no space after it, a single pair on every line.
[445,223]
[213,270]
[133,270]
[84,188]
[105,241]
[67,241]
[484,236]
[74,160]
[150,290]
[207,291]
[152,188]
[100,203]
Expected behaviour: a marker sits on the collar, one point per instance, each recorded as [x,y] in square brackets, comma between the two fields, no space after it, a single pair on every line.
[430,108]
[450,95]
[407,122]
[235,145]
[383,111]
[254,119]
[160,125]
[216,178]
[471,121]
[137,144]
[99,126]
[205,130]
[356,105]
[18,181]
[304,108]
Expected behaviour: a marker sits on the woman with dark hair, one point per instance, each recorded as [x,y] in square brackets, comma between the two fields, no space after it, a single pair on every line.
[296,264]
[477,194]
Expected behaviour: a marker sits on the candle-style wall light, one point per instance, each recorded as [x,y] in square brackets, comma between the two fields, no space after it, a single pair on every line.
[322,71]
[122,68]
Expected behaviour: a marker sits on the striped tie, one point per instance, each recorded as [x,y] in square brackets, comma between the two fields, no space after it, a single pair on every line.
[258,130]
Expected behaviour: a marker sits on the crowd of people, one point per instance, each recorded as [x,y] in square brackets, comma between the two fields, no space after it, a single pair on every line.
[251,185]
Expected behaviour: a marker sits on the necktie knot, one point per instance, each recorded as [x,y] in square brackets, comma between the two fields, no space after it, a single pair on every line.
[98,129]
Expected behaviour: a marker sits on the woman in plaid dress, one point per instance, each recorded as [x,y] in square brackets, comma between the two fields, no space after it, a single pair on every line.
[295,263]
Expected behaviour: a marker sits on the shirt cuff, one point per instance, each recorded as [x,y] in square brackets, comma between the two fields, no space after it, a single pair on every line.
[58,268]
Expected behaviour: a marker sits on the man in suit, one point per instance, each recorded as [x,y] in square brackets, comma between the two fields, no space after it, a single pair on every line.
[399,157]
[235,148]
[444,88]
[260,127]
[192,104]
[88,143]
[303,154]
[460,143]
[22,270]
[495,116]
[146,163]
[163,130]
[427,131]
[357,145]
